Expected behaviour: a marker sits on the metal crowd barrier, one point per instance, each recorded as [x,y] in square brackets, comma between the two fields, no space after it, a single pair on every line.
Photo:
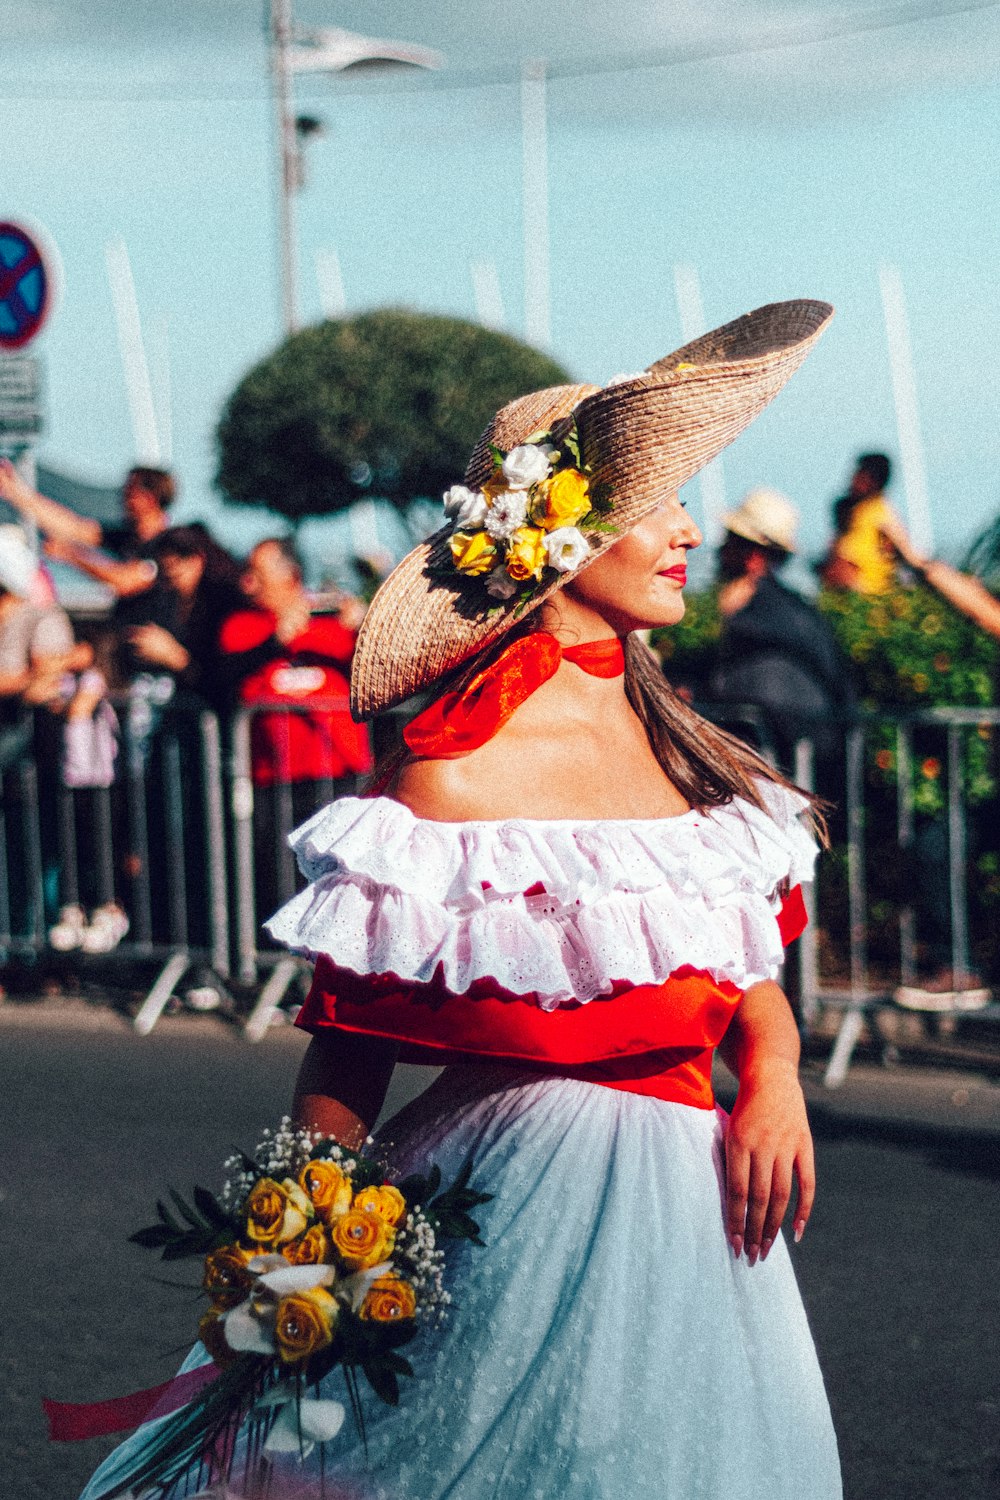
[174,841]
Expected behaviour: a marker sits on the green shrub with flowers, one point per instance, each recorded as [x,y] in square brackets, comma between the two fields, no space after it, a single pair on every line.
[908,650]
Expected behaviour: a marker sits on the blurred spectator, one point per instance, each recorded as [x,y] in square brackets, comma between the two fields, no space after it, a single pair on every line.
[173,627]
[777,654]
[860,558]
[121,557]
[282,653]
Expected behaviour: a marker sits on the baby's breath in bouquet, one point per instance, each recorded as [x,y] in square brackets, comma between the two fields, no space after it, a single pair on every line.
[312,1260]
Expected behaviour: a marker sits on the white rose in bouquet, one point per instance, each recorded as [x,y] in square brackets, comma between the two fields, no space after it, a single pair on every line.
[566,548]
[466,508]
[525,466]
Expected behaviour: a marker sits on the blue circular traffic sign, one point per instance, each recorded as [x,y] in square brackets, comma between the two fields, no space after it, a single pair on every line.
[25,287]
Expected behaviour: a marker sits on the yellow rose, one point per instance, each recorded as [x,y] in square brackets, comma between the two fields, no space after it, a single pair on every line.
[276,1211]
[211,1331]
[304,1324]
[362,1239]
[386,1201]
[328,1188]
[497,484]
[310,1249]
[227,1280]
[563,500]
[526,555]
[473,553]
[388,1300]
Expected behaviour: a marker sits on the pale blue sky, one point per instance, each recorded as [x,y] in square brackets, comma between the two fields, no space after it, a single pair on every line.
[788,171]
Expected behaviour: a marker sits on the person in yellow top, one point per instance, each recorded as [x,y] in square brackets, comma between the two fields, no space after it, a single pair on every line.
[860,557]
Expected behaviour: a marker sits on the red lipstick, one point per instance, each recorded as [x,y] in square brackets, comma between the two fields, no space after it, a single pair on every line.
[678,573]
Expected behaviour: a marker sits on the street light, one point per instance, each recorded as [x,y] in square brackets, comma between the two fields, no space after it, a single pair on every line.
[328,50]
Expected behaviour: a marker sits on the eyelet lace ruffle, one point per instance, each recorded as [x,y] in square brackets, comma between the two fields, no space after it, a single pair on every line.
[630,900]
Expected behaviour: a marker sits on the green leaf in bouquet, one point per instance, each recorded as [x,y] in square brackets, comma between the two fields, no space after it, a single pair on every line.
[212,1210]
[383,1381]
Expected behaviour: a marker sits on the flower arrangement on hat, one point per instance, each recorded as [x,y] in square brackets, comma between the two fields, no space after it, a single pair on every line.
[311,1260]
[534,513]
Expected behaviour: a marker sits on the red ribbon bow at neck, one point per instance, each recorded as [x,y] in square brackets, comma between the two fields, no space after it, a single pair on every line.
[461,721]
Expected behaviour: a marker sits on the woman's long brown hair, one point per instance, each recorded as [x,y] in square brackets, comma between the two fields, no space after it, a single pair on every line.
[707,765]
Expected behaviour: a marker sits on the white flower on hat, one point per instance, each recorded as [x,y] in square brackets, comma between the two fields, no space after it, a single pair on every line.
[566,548]
[525,466]
[500,585]
[508,511]
[465,507]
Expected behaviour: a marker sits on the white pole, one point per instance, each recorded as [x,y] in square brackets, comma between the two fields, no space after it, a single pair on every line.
[487,294]
[535,205]
[904,390]
[330,280]
[288,158]
[137,383]
[159,341]
[711,480]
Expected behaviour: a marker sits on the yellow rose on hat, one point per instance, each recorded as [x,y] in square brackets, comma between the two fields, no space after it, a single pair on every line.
[389,1300]
[473,553]
[526,554]
[304,1324]
[386,1201]
[362,1239]
[329,1189]
[563,500]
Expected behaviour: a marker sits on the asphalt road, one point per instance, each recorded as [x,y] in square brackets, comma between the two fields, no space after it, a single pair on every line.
[899,1269]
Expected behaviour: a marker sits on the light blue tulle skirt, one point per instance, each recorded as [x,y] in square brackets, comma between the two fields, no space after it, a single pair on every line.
[605,1344]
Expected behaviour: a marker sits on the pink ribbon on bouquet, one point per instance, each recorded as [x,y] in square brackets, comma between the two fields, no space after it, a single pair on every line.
[70,1422]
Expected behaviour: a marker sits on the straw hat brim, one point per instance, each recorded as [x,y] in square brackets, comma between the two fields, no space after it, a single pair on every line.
[644,438]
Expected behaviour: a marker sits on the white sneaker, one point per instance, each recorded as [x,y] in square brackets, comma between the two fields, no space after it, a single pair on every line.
[108,925]
[202,997]
[941,1002]
[70,930]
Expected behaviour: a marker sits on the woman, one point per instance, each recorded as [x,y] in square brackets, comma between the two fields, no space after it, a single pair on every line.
[174,626]
[569,889]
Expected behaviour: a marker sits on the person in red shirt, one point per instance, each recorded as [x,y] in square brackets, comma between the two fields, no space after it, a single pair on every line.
[291,666]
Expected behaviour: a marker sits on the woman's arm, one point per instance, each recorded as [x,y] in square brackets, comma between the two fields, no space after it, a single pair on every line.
[342,1084]
[768,1138]
[964,592]
[48,515]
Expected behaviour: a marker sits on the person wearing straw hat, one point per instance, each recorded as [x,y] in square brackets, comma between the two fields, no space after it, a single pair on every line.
[571,889]
[777,655]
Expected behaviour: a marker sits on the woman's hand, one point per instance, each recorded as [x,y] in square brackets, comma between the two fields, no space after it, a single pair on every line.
[768,1141]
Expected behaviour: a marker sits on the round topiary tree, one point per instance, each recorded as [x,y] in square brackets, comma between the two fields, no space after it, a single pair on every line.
[388,403]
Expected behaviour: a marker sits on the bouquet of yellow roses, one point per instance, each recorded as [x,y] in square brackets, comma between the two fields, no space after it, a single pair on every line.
[312,1260]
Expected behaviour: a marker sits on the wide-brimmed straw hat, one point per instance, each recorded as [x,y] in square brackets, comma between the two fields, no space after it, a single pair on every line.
[766,517]
[642,438]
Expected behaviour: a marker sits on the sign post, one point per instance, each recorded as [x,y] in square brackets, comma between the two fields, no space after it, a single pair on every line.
[27,288]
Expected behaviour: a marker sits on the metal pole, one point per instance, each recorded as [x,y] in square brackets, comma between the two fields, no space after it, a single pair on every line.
[853,1020]
[535,205]
[905,835]
[288,158]
[956,860]
[215,832]
[243,850]
[904,390]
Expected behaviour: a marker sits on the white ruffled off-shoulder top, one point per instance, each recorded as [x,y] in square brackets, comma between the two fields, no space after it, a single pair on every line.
[560,910]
